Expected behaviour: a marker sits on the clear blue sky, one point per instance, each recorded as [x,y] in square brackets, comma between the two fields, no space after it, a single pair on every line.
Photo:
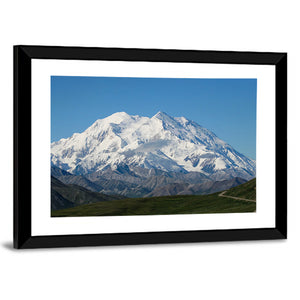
[225,106]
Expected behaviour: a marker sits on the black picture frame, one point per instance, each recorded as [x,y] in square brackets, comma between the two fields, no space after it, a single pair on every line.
[23,56]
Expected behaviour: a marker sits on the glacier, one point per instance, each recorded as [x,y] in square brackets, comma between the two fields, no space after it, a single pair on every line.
[162,142]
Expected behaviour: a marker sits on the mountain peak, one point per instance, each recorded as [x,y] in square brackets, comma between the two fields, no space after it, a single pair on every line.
[118,117]
[163,117]
[161,142]
[119,114]
[161,114]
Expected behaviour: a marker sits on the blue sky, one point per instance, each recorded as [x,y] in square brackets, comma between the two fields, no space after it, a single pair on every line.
[225,106]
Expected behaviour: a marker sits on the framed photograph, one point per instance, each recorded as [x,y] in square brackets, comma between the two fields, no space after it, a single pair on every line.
[142,146]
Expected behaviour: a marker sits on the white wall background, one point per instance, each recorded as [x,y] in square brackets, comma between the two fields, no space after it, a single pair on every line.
[248,270]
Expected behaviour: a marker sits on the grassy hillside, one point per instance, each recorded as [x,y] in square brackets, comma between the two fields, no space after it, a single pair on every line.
[186,204]
[246,190]
[66,195]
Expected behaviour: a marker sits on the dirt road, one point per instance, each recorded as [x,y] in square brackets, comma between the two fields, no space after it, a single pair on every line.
[236,198]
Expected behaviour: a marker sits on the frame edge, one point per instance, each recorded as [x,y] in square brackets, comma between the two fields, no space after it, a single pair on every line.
[281,145]
[22,151]
[152,55]
[22,147]
[146,238]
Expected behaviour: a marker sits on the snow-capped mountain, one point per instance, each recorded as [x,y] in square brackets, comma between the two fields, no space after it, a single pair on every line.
[162,142]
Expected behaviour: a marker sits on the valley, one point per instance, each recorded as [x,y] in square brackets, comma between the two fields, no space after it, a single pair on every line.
[166,205]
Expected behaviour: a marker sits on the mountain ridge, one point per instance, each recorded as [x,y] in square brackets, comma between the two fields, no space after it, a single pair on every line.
[168,205]
[70,195]
[146,184]
[169,144]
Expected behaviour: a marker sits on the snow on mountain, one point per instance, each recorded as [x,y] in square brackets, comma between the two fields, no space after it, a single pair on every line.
[161,142]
